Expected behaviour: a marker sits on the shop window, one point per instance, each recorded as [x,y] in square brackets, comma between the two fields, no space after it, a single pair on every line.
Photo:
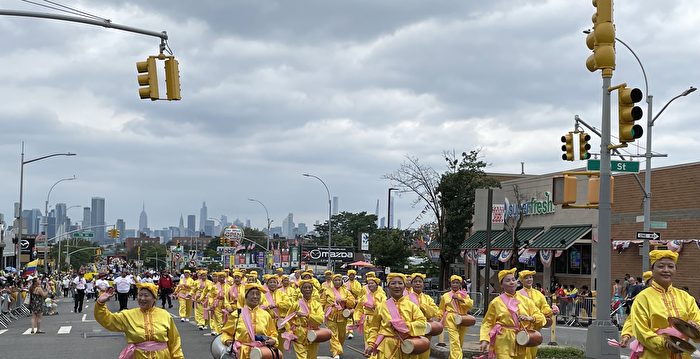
[575,260]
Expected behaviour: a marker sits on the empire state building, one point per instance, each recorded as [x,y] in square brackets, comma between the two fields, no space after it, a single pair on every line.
[143,220]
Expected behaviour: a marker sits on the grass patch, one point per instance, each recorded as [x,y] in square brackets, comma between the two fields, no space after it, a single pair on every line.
[560,352]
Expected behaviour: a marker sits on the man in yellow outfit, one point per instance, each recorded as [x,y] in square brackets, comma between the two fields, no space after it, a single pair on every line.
[654,305]
[507,314]
[183,296]
[456,302]
[355,288]
[527,278]
[336,299]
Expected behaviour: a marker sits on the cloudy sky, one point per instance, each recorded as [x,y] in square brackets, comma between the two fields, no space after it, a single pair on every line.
[340,89]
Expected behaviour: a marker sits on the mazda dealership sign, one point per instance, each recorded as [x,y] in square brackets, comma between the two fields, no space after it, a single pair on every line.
[319,255]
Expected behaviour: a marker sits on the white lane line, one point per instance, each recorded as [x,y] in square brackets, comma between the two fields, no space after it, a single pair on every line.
[27,332]
[64,329]
[86,320]
[2,331]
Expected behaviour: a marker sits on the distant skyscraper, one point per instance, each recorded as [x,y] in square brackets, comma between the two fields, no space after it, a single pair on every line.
[224,221]
[60,214]
[143,220]
[191,224]
[382,222]
[181,227]
[301,229]
[208,227]
[86,217]
[121,227]
[203,217]
[288,226]
[398,224]
[376,213]
[97,218]
[335,205]
[247,223]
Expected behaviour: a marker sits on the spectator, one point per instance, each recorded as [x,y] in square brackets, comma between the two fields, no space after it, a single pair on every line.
[586,302]
[90,289]
[165,287]
[51,304]
[79,283]
[469,285]
[627,284]
[635,288]
[36,305]
[123,285]
[101,285]
[65,283]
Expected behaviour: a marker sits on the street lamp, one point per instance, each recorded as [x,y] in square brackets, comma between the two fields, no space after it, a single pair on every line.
[648,155]
[388,208]
[269,222]
[46,221]
[329,216]
[21,189]
[58,261]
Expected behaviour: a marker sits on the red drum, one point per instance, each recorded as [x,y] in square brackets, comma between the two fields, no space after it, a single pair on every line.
[265,353]
[415,345]
[347,313]
[548,322]
[464,320]
[528,338]
[433,328]
[319,335]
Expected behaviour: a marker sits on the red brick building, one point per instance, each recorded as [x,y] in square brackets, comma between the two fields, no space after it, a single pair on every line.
[132,242]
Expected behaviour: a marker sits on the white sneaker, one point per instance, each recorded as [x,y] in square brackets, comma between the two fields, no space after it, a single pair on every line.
[187,320]
[182,320]
[350,336]
[336,357]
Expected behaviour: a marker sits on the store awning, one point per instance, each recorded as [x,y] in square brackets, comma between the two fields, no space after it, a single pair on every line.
[560,237]
[524,236]
[478,239]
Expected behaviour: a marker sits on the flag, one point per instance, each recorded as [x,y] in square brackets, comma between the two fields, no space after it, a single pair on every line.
[31,267]
[252,246]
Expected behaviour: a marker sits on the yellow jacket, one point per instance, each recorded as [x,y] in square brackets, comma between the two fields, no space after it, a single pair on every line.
[427,305]
[263,325]
[540,301]
[281,300]
[463,306]
[299,326]
[336,315]
[232,301]
[498,314]
[380,324]
[379,298]
[354,287]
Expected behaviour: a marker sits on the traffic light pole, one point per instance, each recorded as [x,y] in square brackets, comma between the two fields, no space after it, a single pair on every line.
[602,328]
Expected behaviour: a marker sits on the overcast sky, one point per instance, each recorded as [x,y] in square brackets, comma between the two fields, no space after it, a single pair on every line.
[339,89]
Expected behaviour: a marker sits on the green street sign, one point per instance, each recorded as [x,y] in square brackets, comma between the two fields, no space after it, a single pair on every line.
[83,235]
[615,166]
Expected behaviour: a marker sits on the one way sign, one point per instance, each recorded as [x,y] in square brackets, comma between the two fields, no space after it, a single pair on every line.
[649,235]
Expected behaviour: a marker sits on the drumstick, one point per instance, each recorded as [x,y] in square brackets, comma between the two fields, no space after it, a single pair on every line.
[355,350]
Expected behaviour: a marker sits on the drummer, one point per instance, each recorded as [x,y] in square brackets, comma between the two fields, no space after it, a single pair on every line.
[288,289]
[655,304]
[326,285]
[336,300]
[201,303]
[316,295]
[252,323]
[424,302]
[454,303]
[395,317]
[273,300]
[234,298]
[369,275]
[355,288]
[527,278]
[506,315]
[367,305]
[304,314]
[182,291]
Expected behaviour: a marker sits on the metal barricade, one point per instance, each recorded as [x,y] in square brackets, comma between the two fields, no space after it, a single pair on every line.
[478,308]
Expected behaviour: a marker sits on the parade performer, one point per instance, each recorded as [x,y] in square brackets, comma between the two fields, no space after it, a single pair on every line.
[326,285]
[274,301]
[454,303]
[289,289]
[626,334]
[355,288]
[506,315]
[217,302]
[279,272]
[303,315]
[183,296]
[308,275]
[234,298]
[253,327]
[252,277]
[424,302]
[654,305]
[201,304]
[396,319]
[336,299]
[150,331]
[369,275]
[527,278]
[367,306]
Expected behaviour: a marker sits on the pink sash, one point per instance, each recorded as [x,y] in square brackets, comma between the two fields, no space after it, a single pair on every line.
[271,302]
[150,346]
[336,306]
[248,322]
[219,295]
[524,293]
[636,348]
[454,305]
[414,298]
[398,323]
[512,305]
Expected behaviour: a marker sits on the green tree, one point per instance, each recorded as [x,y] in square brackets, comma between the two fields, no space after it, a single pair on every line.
[77,259]
[347,227]
[390,248]
[149,254]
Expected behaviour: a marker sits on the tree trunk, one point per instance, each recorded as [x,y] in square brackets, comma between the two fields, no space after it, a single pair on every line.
[444,273]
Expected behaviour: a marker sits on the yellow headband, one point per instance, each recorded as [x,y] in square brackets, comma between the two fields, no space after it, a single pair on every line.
[251,286]
[352,271]
[370,275]
[646,276]
[186,271]
[502,274]
[150,287]
[327,272]
[237,273]
[525,273]
[455,277]
[417,275]
[391,276]
[374,279]
[337,276]
[657,254]
[306,281]
[279,270]
[253,273]
[269,277]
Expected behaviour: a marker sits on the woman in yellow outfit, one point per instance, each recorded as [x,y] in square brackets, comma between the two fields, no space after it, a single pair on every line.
[217,302]
[397,318]
[367,305]
[453,303]
[303,315]
[526,277]
[274,301]
[355,288]
[199,294]
[253,327]
[424,302]
[150,331]
[183,296]
[626,334]
[289,289]
[335,300]
[508,313]
[654,305]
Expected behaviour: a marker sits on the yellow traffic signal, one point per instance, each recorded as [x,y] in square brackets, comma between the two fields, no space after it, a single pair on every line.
[602,39]
[172,79]
[594,190]
[567,147]
[564,190]
[629,113]
[98,251]
[113,233]
[583,145]
[148,78]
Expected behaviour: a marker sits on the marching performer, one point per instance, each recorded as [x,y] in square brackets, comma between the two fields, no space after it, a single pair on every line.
[336,299]
[654,305]
[274,301]
[396,319]
[367,305]
[369,275]
[304,314]
[199,296]
[424,302]
[626,334]
[217,302]
[454,303]
[183,296]
[506,315]
[527,278]
[326,285]
[289,289]
[253,327]
[279,272]
[308,275]
[355,288]
[234,298]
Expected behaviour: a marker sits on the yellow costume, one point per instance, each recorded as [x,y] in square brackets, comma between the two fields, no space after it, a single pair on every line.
[182,292]
[429,308]
[299,326]
[217,303]
[540,302]
[451,307]
[381,324]
[334,315]
[499,323]
[355,288]
[153,325]
[368,310]
[262,324]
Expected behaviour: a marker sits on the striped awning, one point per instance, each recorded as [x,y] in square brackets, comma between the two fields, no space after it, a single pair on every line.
[560,237]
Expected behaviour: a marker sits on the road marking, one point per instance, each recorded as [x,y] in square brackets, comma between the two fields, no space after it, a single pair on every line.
[64,330]
[27,332]
[86,320]
[3,331]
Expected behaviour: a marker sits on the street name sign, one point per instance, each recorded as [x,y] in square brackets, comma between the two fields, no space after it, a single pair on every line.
[649,235]
[615,166]
[83,235]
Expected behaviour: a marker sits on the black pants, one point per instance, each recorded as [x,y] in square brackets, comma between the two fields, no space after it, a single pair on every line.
[123,300]
[165,295]
[78,300]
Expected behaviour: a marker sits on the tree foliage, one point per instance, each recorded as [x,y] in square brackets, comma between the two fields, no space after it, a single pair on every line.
[77,259]
[346,228]
[390,248]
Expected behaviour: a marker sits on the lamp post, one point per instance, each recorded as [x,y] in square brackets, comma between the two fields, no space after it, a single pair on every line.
[329,216]
[21,189]
[388,208]
[269,222]
[46,220]
[58,261]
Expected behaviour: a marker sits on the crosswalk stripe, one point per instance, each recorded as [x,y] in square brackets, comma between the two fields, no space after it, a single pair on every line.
[86,320]
[27,332]
[64,330]
[3,331]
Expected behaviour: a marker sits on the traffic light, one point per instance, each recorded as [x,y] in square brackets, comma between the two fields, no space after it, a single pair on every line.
[629,113]
[223,241]
[583,145]
[594,190]
[98,251]
[148,78]
[567,147]
[564,190]
[113,233]
[172,79]
[602,39]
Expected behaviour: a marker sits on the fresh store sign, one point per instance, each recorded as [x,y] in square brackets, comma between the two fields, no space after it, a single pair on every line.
[533,207]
